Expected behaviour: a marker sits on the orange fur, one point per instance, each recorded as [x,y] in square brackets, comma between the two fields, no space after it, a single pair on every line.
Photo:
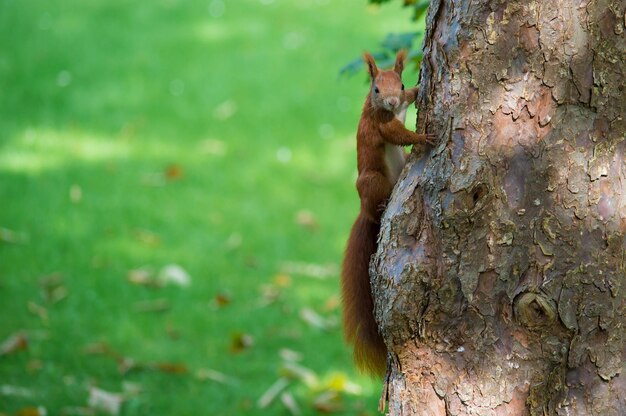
[381,125]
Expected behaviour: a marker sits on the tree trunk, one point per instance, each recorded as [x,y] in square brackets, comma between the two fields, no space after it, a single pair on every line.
[499,280]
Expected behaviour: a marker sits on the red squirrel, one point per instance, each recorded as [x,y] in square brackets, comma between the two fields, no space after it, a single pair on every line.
[380,159]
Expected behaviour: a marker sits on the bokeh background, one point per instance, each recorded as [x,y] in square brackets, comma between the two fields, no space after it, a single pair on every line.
[176,188]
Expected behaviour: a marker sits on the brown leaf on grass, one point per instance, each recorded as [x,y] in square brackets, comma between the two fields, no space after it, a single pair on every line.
[99,348]
[298,372]
[127,364]
[170,368]
[38,310]
[307,220]
[251,262]
[32,411]
[290,403]
[105,401]
[172,332]
[240,342]
[290,355]
[16,342]
[204,374]
[316,320]
[318,271]
[173,172]
[270,394]
[282,280]
[221,299]
[142,276]
[52,288]
[328,402]
[332,303]
[152,306]
[131,389]
[269,295]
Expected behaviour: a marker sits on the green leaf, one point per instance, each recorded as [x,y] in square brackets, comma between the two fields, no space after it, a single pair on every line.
[356,65]
[397,41]
[420,8]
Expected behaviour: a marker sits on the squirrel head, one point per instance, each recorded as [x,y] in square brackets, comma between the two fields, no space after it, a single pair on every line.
[387,89]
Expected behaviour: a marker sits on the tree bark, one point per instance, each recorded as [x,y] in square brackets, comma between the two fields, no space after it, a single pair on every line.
[500,280]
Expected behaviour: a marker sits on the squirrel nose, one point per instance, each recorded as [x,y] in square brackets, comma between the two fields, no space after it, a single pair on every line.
[392,101]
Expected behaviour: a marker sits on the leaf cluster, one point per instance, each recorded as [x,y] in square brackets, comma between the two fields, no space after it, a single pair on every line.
[393,42]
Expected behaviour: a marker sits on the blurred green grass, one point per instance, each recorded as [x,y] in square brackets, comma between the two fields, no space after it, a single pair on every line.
[193,133]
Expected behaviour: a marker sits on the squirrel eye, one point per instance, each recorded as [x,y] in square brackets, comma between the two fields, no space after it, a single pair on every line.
[376,90]
[402,87]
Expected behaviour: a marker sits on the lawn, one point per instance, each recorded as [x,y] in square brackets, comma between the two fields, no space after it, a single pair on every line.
[177,184]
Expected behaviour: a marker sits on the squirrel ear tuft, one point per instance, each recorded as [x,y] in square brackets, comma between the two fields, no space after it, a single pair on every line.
[372,69]
[400,58]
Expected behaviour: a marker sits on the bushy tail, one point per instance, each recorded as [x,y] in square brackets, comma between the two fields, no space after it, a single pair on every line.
[370,352]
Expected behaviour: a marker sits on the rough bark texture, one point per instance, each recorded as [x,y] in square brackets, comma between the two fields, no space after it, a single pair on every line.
[500,277]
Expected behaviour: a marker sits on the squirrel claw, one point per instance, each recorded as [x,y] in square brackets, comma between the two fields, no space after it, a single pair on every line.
[430,139]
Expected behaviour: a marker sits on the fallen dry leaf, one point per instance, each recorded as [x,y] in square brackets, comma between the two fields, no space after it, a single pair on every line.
[16,342]
[127,364]
[173,172]
[105,401]
[318,271]
[32,411]
[290,355]
[332,303]
[131,389]
[269,295]
[270,394]
[52,288]
[304,374]
[240,342]
[282,280]
[316,320]
[142,276]
[172,332]
[306,219]
[170,368]
[174,274]
[38,310]
[221,299]
[290,403]
[328,402]
[204,374]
